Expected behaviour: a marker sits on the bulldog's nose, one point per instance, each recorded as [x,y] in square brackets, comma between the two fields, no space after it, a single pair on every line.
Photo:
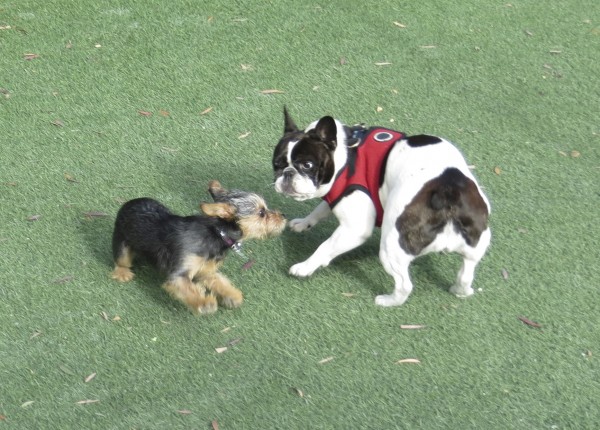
[288,173]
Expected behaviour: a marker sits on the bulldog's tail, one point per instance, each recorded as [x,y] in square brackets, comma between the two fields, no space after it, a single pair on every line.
[448,193]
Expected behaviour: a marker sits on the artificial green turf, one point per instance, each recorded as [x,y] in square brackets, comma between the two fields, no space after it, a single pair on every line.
[513,84]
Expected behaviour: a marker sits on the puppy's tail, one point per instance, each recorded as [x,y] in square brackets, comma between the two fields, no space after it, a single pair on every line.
[447,191]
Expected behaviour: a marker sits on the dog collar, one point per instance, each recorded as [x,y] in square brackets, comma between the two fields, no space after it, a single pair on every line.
[236,246]
[355,135]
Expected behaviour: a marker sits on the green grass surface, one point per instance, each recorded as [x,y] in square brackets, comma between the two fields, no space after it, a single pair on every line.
[514,85]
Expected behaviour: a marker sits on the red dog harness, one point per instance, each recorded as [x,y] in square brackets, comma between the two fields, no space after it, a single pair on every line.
[365,168]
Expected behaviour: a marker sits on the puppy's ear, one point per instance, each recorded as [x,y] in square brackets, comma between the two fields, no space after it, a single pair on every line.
[289,125]
[220,210]
[327,131]
[216,190]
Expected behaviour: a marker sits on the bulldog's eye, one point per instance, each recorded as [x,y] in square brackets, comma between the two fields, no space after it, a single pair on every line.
[262,212]
[307,165]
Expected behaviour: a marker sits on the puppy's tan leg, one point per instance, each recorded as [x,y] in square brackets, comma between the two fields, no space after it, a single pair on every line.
[222,287]
[122,271]
[193,296]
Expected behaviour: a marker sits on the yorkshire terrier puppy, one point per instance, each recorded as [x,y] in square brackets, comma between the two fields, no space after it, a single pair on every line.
[190,249]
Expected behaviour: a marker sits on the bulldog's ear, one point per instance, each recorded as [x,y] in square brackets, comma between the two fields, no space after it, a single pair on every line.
[289,125]
[326,130]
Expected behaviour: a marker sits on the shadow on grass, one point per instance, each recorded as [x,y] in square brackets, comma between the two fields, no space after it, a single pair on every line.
[429,271]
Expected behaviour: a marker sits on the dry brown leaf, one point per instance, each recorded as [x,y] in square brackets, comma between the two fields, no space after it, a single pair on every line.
[497,170]
[184,411]
[63,280]
[66,370]
[144,113]
[528,33]
[428,47]
[272,92]
[30,57]
[379,109]
[5,27]
[244,135]
[89,377]
[555,51]
[69,45]
[326,360]
[235,341]
[248,264]
[104,315]
[246,67]
[70,178]
[28,403]
[87,402]
[298,391]
[57,123]
[504,273]
[205,111]
[412,326]
[529,322]
[215,425]
[399,24]
[95,214]
[226,329]
[348,295]
[563,153]
[5,93]
[575,154]
[171,150]
[35,334]
[116,318]
[33,217]
[163,113]
[343,61]
[383,64]
[221,349]
[409,361]
[2,417]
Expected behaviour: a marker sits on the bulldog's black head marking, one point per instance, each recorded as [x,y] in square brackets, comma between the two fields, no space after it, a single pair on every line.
[312,152]
[422,140]
[313,159]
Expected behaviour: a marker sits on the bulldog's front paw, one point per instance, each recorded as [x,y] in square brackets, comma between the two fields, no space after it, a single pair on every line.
[300,224]
[461,292]
[302,270]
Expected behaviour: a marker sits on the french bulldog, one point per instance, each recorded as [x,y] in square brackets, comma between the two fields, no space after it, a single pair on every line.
[418,189]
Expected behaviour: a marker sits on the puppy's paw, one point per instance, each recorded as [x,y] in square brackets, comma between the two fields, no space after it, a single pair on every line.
[302,270]
[206,305]
[122,274]
[461,292]
[233,299]
[387,300]
[300,224]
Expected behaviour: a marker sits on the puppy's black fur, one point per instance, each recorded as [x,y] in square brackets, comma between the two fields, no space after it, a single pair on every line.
[164,239]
